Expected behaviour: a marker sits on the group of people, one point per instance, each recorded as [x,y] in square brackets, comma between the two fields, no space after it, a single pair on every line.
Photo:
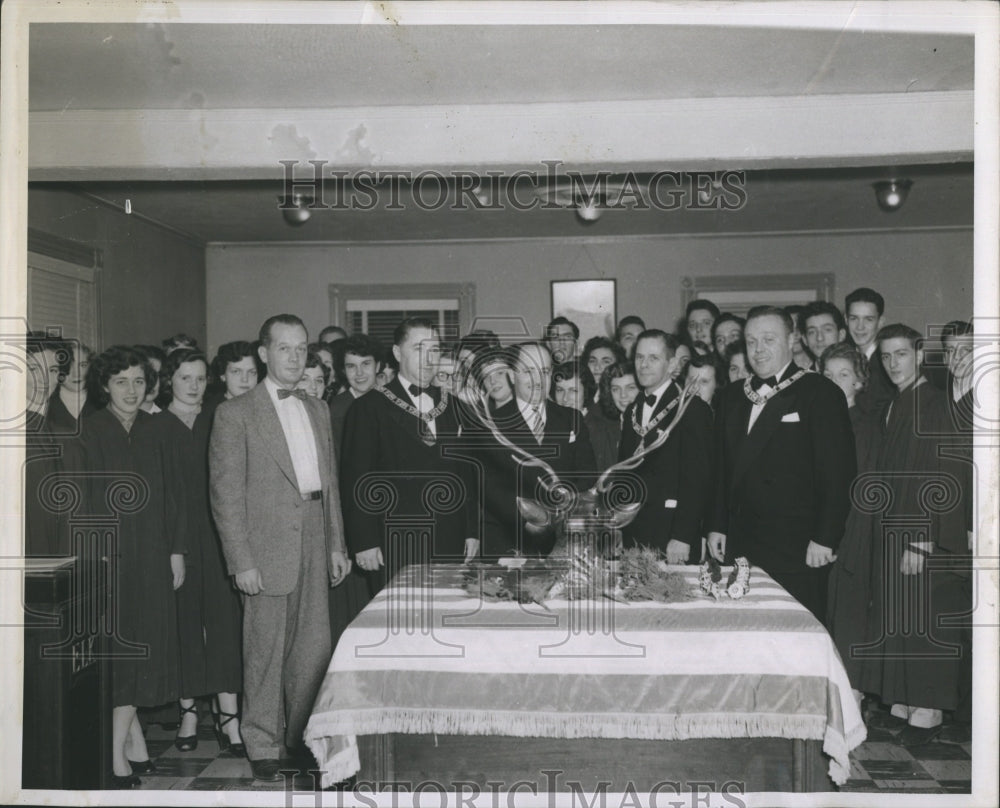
[288,481]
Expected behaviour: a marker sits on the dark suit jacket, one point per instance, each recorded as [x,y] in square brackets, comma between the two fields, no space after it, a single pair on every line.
[339,405]
[429,487]
[565,447]
[788,482]
[880,390]
[677,476]
[255,496]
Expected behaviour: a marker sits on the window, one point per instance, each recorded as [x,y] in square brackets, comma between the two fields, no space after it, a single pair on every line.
[738,294]
[62,298]
[377,310]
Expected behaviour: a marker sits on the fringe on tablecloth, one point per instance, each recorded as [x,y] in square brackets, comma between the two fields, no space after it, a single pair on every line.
[585,725]
[337,756]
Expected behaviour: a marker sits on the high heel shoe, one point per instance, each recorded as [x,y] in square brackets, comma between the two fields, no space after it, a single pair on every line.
[188,743]
[125,781]
[142,766]
[237,748]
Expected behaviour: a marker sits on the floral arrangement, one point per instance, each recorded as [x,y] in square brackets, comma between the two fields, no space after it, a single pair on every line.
[637,574]
[735,587]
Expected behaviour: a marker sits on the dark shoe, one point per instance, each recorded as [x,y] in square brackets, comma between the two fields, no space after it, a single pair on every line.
[188,743]
[880,720]
[220,720]
[265,769]
[128,781]
[142,766]
[955,732]
[918,736]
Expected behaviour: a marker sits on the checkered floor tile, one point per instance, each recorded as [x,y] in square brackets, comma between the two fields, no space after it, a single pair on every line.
[881,763]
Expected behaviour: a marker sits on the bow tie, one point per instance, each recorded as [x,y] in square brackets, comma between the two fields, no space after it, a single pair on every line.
[416,391]
[756,382]
[433,392]
[283,393]
[649,400]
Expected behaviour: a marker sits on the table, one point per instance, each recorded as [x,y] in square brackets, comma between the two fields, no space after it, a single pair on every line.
[512,688]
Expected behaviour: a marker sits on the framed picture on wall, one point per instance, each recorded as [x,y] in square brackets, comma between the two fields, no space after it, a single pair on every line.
[589,304]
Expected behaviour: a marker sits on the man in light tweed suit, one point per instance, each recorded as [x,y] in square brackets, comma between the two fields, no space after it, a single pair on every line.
[277,508]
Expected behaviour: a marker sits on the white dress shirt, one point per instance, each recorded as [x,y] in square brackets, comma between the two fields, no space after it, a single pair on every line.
[528,413]
[300,438]
[647,410]
[424,403]
[764,389]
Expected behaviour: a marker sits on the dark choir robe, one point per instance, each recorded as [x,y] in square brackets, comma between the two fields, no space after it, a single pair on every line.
[605,434]
[904,663]
[209,611]
[851,587]
[395,476]
[45,531]
[787,483]
[677,476]
[565,447]
[143,598]
[879,391]
[60,420]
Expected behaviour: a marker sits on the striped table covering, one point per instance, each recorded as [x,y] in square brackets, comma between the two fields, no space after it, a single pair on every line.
[427,657]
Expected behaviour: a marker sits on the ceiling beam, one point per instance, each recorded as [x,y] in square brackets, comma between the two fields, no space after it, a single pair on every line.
[680,134]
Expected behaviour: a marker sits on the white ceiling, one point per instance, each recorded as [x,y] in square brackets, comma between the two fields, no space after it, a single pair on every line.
[170,116]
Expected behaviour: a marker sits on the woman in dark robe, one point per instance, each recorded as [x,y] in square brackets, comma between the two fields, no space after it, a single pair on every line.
[69,402]
[912,660]
[132,462]
[236,370]
[208,607]
[849,591]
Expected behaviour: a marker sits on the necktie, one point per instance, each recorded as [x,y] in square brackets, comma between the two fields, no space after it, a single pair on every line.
[537,426]
[756,382]
[283,393]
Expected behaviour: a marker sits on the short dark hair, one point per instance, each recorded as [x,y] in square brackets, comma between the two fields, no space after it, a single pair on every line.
[956,328]
[848,351]
[175,359]
[701,303]
[114,360]
[735,349]
[900,331]
[477,340]
[313,360]
[560,320]
[402,331]
[152,352]
[772,311]
[727,317]
[487,357]
[612,372]
[180,340]
[820,307]
[670,342]
[630,319]
[233,352]
[361,345]
[38,341]
[264,337]
[865,295]
[331,329]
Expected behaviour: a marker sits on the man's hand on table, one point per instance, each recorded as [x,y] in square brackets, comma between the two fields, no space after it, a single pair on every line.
[717,546]
[370,560]
[678,552]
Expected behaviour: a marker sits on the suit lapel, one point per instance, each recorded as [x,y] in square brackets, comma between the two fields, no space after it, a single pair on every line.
[754,443]
[317,413]
[270,431]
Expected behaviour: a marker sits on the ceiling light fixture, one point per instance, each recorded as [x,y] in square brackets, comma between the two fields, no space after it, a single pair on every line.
[295,208]
[588,210]
[891,194]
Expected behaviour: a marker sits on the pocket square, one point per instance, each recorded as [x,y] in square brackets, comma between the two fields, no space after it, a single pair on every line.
[791,418]
[572,437]
[670,503]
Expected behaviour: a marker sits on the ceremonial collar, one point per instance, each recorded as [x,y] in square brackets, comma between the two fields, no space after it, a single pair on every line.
[761,398]
[642,431]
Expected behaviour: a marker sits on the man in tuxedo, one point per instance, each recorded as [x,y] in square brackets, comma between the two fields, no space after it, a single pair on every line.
[399,437]
[276,505]
[865,309]
[786,463]
[540,428]
[677,476]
